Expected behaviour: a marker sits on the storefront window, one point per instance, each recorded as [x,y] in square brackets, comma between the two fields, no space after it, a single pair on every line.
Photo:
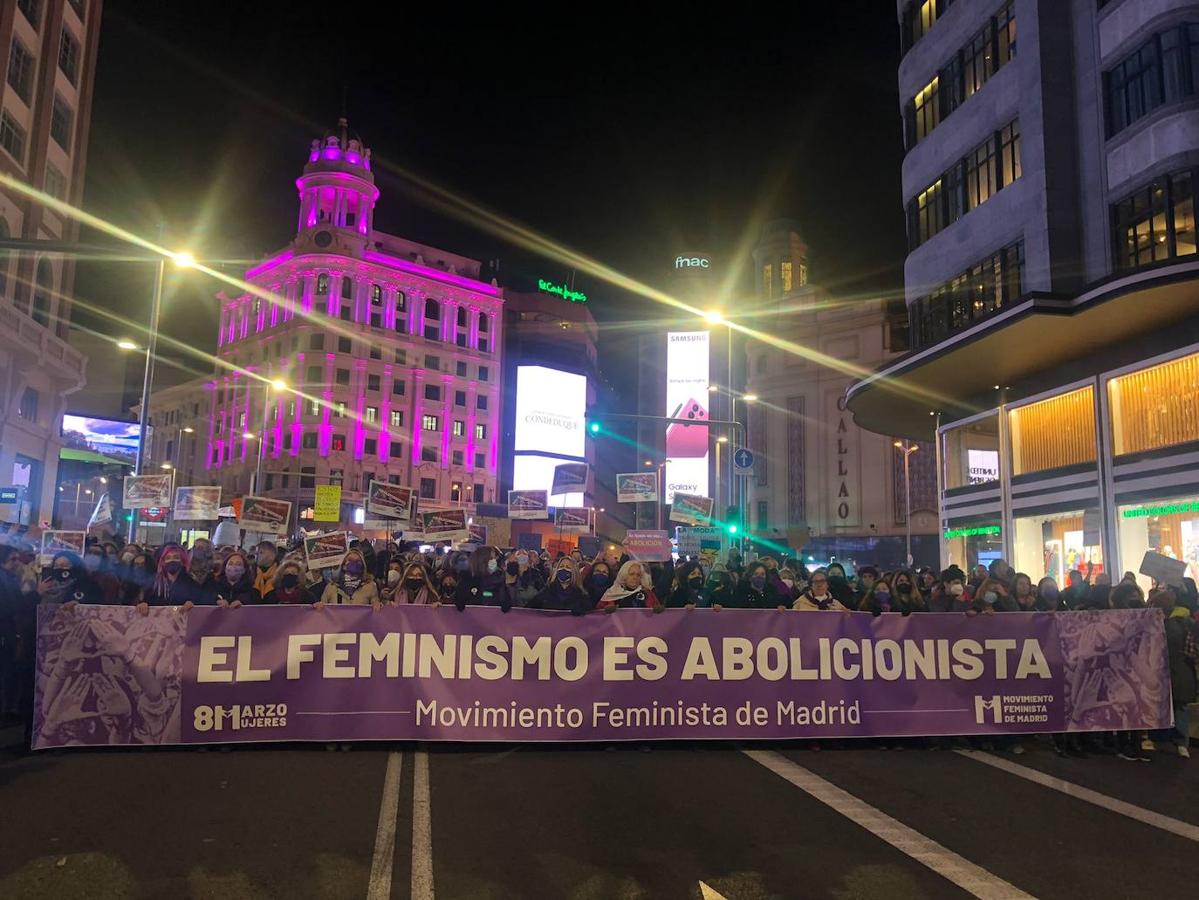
[1053,433]
[971,452]
[1169,527]
[1054,544]
[969,545]
[1156,407]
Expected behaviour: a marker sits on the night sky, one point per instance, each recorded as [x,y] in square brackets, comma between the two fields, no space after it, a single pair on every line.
[627,139]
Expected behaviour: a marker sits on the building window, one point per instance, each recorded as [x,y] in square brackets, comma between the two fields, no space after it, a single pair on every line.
[978,60]
[370,447]
[763,515]
[309,442]
[397,449]
[428,488]
[433,363]
[1155,223]
[457,457]
[314,407]
[480,460]
[456,492]
[459,428]
[342,377]
[768,280]
[785,275]
[1053,433]
[397,387]
[32,10]
[481,401]
[477,497]
[430,423]
[338,444]
[376,295]
[460,398]
[1009,154]
[1155,407]
[12,137]
[988,285]
[347,287]
[484,325]
[340,409]
[982,169]
[432,310]
[918,17]
[397,418]
[322,283]
[1135,86]
[480,432]
[401,357]
[21,65]
[336,475]
[428,454]
[314,375]
[926,108]
[432,392]
[484,373]
[345,313]
[316,342]
[376,352]
[27,407]
[460,369]
[62,122]
[55,182]
[306,477]
[372,414]
[483,346]
[68,56]
[372,382]
[43,290]
[344,345]
[401,304]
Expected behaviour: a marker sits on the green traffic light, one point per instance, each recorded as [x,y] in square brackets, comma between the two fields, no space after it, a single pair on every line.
[732,529]
[595,427]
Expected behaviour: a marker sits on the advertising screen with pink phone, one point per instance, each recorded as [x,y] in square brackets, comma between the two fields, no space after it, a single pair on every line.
[687,398]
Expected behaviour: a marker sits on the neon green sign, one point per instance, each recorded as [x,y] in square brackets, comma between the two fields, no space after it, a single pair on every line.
[561,290]
[1144,512]
[971,532]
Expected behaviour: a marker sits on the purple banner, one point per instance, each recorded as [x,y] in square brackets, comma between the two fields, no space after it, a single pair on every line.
[109,675]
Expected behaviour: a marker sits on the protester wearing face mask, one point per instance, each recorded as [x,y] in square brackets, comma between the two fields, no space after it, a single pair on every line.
[1048,595]
[524,580]
[598,580]
[447,587]
[992,597]
[266,554]
[289,585]
[168,580]
[878,599]
[754,591]
[905,598]
[687,587]
[867,576]
[563,591]
[66,581]
[718,589]
[414,586]
[1024,597]
[353,585]
[950,595]
[484,583]
[789,585]
[199,586]
[98,568]
[818,597]
[390,580]
[236,588]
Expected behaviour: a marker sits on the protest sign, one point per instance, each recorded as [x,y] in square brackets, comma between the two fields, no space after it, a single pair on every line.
[569,478]
[648,545]
[146,491]
[589,546]
[637,487]
[444,525]
[691,509]
[528,541]
[102,514]
[705,543]
[197,503]
[1163,569]
[528,505]
[392,500]
[286,674]
[265,514]
[478,534]
[58,541]
[573,519]
[326,551]
[326,506]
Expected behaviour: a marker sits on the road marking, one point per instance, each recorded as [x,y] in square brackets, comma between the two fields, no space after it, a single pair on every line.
[379,886]
[422,835]
[707,892]
[1070,789]
[965,874]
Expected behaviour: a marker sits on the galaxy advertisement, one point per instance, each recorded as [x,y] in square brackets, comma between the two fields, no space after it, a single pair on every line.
[687,398]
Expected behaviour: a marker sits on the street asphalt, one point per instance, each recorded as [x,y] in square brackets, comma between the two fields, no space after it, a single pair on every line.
[630,821]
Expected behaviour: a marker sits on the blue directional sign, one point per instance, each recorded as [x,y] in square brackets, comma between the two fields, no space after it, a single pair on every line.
[743,459]
[9,495]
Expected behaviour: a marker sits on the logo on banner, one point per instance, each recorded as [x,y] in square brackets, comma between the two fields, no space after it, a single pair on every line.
[982,704]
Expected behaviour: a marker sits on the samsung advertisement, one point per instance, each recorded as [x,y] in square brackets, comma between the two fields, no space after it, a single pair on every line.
[551,411]
[687,398]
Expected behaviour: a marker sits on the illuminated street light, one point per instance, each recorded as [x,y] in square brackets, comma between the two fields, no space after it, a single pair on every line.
[248,435]
[279,384]
[165,466]
[714,316]
[750,398]
[184,260]
[649,462]
[723,439]
[126,345]
[713,388]
[187,429]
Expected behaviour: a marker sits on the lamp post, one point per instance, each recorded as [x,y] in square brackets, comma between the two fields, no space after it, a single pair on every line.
[183,260]
[907,448]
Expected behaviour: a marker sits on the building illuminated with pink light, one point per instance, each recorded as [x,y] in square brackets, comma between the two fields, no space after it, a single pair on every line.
[391,351]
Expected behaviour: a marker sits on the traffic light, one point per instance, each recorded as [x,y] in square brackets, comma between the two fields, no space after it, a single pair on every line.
[732,528]
[595,427]
[732,520]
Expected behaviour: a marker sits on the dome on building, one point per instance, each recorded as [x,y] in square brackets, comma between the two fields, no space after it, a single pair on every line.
[340,150]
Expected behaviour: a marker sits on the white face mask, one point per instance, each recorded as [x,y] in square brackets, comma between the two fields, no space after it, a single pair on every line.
[393,576]
[957,590]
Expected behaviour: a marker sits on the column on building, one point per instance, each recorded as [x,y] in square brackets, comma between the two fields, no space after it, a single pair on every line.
[389,307]
[416,312]
[472,415]
[307,295]
[359,395]
[416,428]
[447,409]
[325,434]
[472,326]
[385,414]
[333,299]
[297,422]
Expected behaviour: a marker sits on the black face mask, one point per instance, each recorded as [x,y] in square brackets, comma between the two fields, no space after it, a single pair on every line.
[512,568]
[903,588]
[448,588]
[290,582]
[173,568]
[413,584]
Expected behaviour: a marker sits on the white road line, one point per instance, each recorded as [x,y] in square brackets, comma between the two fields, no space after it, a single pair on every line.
[422,835]
[379,886]
[1070,789]
[965,874]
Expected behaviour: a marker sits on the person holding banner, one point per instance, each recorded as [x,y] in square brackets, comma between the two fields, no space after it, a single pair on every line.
[98,567]
[563,593]
[632,590]
[687,587]
[523,580]
[67,582]
[483,584]
[598,579]
[169,585]
[818,596]
[264,578]
[236,587]
[413,587]
[755,592]
[289,586]
[353,585]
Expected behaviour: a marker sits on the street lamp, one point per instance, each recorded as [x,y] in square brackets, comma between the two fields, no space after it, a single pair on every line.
[907,448]
[126,344]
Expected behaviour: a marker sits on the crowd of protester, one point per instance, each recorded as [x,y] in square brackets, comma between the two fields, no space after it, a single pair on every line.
[117,573]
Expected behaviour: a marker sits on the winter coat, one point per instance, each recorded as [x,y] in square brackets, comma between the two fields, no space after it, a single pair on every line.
[489,590]
[572,599]
[336,594]
[1182,637]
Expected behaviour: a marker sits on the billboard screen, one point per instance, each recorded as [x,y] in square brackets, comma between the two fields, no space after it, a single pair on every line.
[108,436]
[687,398]
[551,407]
[531,472]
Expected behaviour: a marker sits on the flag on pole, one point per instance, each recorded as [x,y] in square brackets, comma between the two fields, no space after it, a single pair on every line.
[102,514]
